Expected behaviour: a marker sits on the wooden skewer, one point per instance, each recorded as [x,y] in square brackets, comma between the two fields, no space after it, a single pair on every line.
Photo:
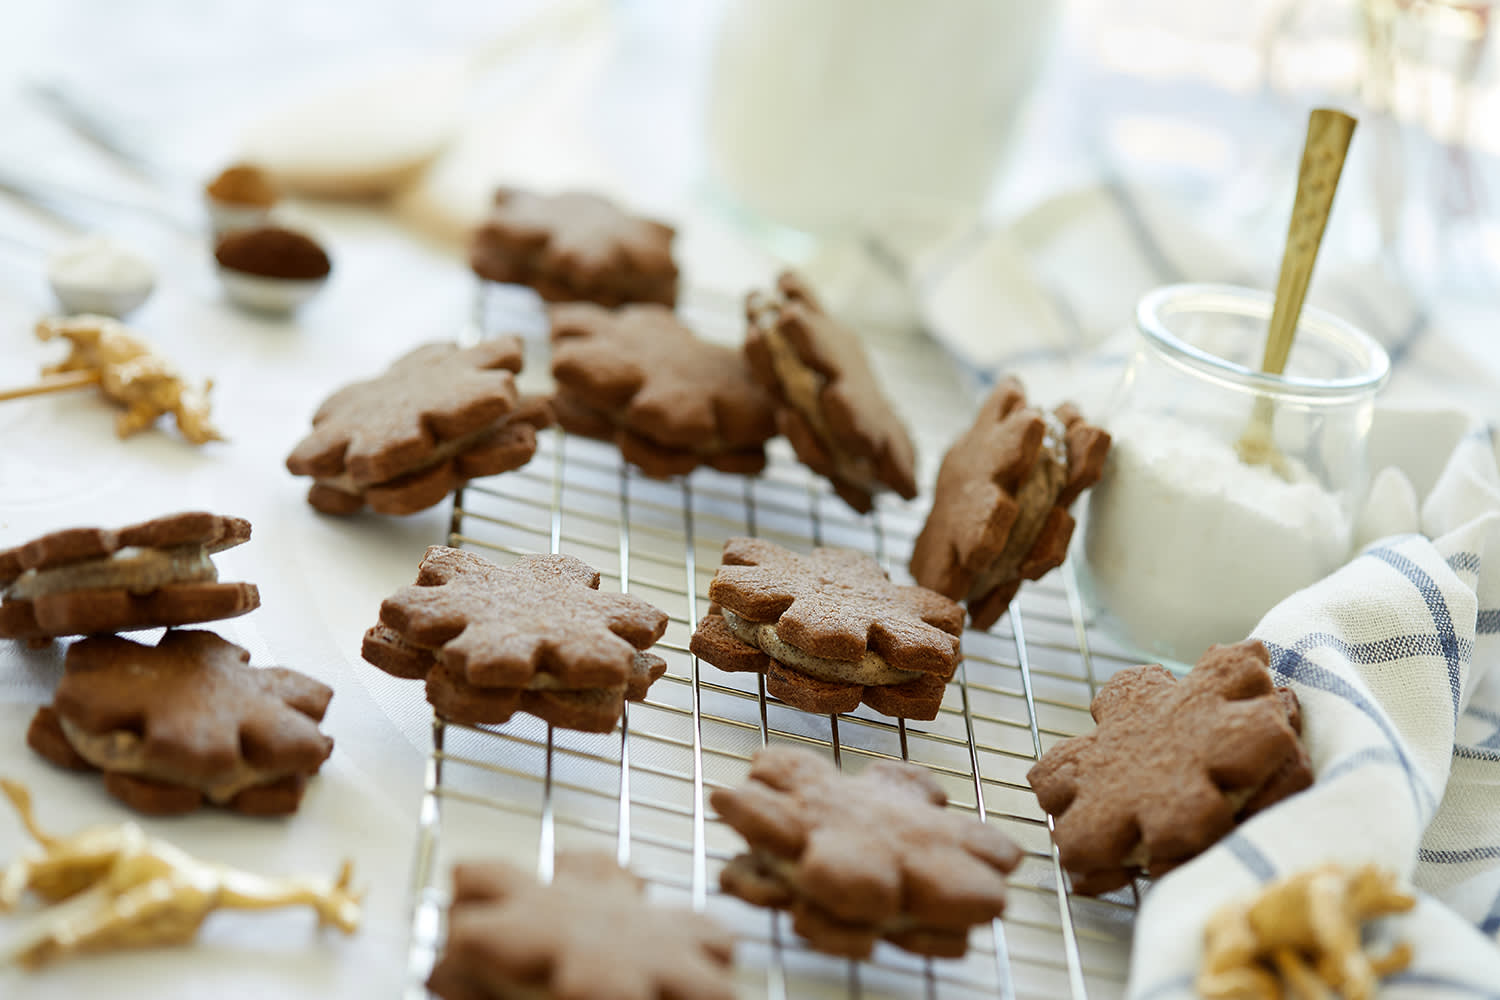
[1328,135]
[56,383]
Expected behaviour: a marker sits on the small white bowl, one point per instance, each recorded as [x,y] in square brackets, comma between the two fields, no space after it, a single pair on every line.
[268,295]
[117,302]
[100,275]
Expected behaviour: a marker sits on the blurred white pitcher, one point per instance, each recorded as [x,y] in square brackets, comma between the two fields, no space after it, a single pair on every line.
[841,116]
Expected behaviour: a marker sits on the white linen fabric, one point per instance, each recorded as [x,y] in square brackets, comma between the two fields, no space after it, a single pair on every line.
[1393,660]
[1051,294]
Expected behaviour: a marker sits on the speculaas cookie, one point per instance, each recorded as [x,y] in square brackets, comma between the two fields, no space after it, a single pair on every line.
[536,636]
[402,441]
[829,630]
[831,407]
[185,720]
[589,935]
[575,247]
[1000,512]
[1172,766]
[671,402]
[860,858]
[82,581]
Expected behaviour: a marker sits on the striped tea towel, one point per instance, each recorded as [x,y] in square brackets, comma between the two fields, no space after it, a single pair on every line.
[1396,660]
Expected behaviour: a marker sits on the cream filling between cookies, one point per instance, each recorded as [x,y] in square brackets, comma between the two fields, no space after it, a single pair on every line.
[871,669]
[137,570]
[124,752]
[803,388]
[443,451]
[548,682]
[1034,499]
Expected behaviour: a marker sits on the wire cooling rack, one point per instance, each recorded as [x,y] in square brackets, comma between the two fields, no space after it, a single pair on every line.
[523,791]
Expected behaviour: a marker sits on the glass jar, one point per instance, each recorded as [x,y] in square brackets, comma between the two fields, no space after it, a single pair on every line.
[838,117]
[1184,544]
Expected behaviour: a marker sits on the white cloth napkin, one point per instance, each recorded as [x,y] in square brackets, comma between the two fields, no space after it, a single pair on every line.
[1392,659]
[1051,294]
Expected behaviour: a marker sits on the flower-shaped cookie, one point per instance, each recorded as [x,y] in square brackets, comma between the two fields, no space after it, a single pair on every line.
[859,858]
[184,720]
[832,408]
[590,935]
[669,400]
[1000,512]
[573,247]
[829,630]
[439,416]
[90,581]
[536,635]
[1172,766]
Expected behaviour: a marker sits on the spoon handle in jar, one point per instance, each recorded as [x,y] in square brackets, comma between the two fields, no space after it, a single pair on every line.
[1328,135]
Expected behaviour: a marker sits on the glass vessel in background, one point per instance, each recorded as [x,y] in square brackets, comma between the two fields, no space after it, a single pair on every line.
[1184,544]
[1432,110]
[883,120]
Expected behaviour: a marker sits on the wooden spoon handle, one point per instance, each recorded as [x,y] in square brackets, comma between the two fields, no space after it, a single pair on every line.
[1328,135]
[57,383]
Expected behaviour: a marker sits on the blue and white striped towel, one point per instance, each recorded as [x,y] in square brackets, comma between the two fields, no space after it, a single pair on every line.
[1396,659]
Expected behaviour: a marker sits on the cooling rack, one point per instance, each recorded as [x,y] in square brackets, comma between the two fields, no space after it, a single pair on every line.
[523,791]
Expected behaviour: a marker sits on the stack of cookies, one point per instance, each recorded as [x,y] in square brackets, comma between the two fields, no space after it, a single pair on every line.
[857,859]
[575,247]
[185,720]
[1000,512]
[401,442]
[829,403]
[670,401]
[537,636]
[590,933]
[180,722]
[84,581]
[830,630]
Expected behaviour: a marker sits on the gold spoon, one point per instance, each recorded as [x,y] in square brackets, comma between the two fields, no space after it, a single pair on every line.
[1328,135]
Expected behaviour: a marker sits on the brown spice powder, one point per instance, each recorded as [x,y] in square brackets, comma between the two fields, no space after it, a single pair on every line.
[273,252]
[243,184]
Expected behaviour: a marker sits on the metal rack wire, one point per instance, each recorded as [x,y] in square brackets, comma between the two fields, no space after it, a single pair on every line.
[524,790]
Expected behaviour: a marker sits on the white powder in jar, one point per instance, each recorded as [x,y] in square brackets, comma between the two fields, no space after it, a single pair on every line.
[1187,546]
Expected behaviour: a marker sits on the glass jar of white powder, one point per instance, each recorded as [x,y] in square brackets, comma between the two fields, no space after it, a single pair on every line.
[1184,545]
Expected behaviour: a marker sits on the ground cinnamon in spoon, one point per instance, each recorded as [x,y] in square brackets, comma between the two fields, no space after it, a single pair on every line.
[273,252]
[243,184]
